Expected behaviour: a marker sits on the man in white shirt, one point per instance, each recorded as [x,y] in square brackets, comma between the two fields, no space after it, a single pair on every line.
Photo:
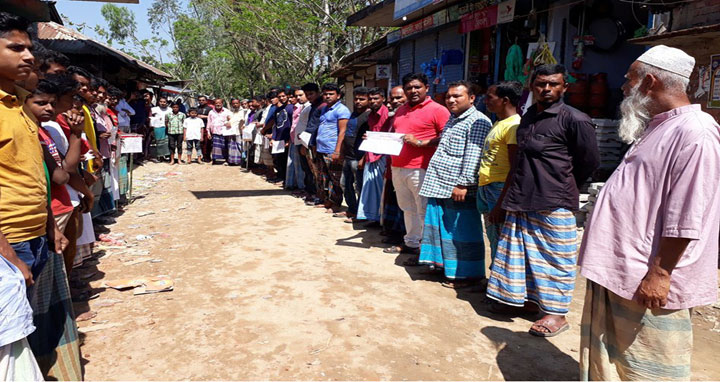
[192,135]
[231,133]
[124,111]
[157,122]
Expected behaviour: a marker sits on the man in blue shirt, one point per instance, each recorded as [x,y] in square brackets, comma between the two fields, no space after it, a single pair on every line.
[280,121]
[352,177]
[330,136]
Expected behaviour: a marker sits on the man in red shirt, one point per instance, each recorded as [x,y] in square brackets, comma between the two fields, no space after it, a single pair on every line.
[421,120]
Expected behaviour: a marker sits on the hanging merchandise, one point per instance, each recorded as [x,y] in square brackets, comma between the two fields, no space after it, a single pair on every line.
[513,64]
[430,68]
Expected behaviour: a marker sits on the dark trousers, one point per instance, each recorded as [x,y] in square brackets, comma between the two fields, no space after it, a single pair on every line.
[207,146]
[280,164]
[352,179]
[309,177]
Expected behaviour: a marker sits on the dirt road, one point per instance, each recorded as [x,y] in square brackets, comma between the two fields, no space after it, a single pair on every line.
[267,288]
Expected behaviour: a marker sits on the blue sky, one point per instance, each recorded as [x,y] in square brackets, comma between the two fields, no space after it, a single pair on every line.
[89,13]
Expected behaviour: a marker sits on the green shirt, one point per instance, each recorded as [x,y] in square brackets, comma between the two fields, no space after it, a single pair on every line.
[175,122]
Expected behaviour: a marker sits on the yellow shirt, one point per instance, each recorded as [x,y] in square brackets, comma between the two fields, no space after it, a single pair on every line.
[495,162]
[23,188]
[90,135]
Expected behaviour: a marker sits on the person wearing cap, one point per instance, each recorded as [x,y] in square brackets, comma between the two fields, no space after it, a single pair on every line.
[534,267]
[650,248]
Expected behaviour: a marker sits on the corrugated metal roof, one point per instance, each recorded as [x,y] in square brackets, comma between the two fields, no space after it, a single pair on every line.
[66,39]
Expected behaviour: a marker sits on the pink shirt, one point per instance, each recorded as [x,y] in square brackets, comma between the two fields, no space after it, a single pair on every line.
[378,121]
[666,186]
[424,121]
[295,118]
[218,121]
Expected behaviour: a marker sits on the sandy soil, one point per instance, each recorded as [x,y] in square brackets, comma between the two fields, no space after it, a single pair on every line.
[267,288]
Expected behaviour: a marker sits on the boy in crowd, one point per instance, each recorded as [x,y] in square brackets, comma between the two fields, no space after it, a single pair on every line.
[174,122]
[192,134]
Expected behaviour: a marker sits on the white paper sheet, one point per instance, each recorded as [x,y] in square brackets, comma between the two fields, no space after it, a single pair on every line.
[382,143]
[278,147]
[247,132]
[258,139]
[305,138]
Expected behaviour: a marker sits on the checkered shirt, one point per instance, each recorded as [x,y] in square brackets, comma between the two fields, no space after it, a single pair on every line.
[175,122]
[457,158]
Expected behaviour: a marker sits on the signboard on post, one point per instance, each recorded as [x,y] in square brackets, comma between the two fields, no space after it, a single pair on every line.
[131,143]
[714,95]
[382,71]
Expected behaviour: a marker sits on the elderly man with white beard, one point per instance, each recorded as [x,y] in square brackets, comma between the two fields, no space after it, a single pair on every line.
[650,248]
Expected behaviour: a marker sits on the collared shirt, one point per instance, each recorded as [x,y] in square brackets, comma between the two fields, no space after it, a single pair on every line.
[237,121]
[60,138]
[23,186]
[205,110]
[218,120]
[297,111]
[124,112]
[557,152]
[424,121]
[357,126]
[378,121]
[314,120]
[175,122]
[283,122]
[60,198]
[495,162]
[328,129]
[457,158]
[666,186]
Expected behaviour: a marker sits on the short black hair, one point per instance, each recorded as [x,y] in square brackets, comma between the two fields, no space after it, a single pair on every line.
[52,57]
[10,22]
[512,90]
[549,70]
[46,87]
[192,109]
[175,104]
[290,91]
[162,97]
[258,98]
[331,86]
[414,76]
[310,87]
[470,88]
[377,91]
[361,90]
[64,83]
[76,70]
[116,92]
[272,94]
[97,82]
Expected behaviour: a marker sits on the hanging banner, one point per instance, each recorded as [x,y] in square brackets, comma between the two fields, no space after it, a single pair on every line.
[714,96]
[406,7]
[484,18]
[506,12]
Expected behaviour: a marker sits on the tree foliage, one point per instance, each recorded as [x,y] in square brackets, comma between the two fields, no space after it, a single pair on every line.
[233,47]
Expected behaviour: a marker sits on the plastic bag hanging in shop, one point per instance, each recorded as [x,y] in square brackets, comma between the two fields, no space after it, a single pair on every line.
[513,64]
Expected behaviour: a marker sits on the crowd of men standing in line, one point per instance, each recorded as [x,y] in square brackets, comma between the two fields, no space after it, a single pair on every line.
[649,250]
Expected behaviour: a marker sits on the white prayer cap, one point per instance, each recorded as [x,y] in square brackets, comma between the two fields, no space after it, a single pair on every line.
[670,59]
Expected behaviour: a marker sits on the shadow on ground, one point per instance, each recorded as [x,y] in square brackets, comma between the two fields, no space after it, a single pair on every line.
[236,193]
[523,357]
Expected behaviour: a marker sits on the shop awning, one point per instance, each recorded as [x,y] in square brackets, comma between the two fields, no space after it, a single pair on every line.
[697,35]
[67,40]
[381,14]
[33,10]
[364,58]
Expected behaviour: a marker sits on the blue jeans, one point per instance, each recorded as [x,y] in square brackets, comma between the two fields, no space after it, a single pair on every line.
[352,184]
[487,198]
[34,253]
[295,176]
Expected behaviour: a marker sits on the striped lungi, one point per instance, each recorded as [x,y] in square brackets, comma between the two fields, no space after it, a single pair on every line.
[453,238]
[372,190]
[218,144]
[55,341]
[536,260]
[623,340]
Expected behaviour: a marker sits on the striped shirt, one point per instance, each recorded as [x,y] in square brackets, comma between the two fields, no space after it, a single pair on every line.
[457,158]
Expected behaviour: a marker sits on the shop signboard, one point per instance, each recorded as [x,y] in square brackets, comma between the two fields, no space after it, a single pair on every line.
[406,7]
[428,23]
[382,71]
[481,19]
[440,17]
[407,30]
[714,95]
[506,12]
[394,36]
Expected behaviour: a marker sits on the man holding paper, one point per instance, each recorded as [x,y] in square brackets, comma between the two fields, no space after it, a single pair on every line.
[421,120]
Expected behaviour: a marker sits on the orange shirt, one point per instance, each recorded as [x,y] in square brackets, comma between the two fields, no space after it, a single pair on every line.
[23,187]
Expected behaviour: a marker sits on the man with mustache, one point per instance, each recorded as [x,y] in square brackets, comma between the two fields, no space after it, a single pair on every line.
[650,248]
[537,250]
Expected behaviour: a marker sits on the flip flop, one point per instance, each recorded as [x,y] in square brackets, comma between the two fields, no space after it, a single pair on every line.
[546,324]
[339,215]
[456,284]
